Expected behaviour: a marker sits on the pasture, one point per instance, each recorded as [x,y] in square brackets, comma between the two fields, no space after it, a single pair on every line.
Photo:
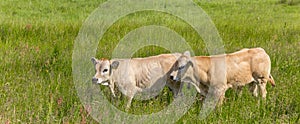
[36,45]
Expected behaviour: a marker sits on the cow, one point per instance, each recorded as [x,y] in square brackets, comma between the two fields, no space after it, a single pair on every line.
[221,72]
[136,75]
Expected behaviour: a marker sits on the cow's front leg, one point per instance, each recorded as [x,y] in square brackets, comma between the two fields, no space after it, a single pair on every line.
[174,87]
[112,89]
[132,90]
[221,94]
[179,92]
[129,102]
[253,89]
[213,99]
[130,97]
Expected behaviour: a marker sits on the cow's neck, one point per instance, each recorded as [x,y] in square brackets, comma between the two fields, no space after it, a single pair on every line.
[201,69]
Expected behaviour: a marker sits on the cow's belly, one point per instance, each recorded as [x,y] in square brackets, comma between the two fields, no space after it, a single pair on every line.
[239,74]
[152,76]
[240,80]
[154,81]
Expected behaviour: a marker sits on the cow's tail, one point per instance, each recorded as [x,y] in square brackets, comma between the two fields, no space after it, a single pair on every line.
[271,80]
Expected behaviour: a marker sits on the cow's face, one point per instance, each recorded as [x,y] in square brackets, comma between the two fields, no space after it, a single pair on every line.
[179,72]
[103,70]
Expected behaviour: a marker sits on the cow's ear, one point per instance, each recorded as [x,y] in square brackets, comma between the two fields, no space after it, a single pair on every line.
[115,64]
[94,60]
[187,53]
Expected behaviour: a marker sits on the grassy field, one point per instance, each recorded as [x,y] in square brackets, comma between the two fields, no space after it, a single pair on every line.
[36,45]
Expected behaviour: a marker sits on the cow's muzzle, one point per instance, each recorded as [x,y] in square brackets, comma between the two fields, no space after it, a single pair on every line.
[99,81]
[173,78]
[94,80]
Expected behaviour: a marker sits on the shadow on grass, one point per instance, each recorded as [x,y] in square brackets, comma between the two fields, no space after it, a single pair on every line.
[289,2]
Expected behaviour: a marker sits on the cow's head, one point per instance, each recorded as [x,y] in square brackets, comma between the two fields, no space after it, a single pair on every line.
[103,70]
[181,68]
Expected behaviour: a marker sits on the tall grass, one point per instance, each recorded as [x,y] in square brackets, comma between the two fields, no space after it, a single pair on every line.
[36,43]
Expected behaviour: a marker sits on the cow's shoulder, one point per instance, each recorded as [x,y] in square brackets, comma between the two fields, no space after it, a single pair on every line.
[257,50]
[241,52]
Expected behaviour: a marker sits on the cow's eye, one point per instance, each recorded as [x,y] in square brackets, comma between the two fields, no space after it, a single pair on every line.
[105,70]
[181,67]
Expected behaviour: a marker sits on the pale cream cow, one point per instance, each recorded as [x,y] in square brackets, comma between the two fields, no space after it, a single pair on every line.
[237,69]
[136,75]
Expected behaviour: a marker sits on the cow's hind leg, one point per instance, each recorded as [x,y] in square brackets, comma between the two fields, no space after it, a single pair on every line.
[239,90]
[262,87]
[253,89]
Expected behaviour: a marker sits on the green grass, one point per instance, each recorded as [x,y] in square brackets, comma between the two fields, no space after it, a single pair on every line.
[36,44]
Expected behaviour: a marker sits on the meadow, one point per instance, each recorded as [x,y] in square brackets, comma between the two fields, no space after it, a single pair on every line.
[36,45]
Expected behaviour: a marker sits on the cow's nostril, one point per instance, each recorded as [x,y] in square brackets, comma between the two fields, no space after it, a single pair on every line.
[172,77]
[94,80]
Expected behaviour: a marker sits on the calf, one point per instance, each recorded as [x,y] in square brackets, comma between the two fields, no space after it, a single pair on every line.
[137,74]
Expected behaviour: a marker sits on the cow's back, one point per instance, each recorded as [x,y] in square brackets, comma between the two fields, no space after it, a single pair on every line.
[152,70]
